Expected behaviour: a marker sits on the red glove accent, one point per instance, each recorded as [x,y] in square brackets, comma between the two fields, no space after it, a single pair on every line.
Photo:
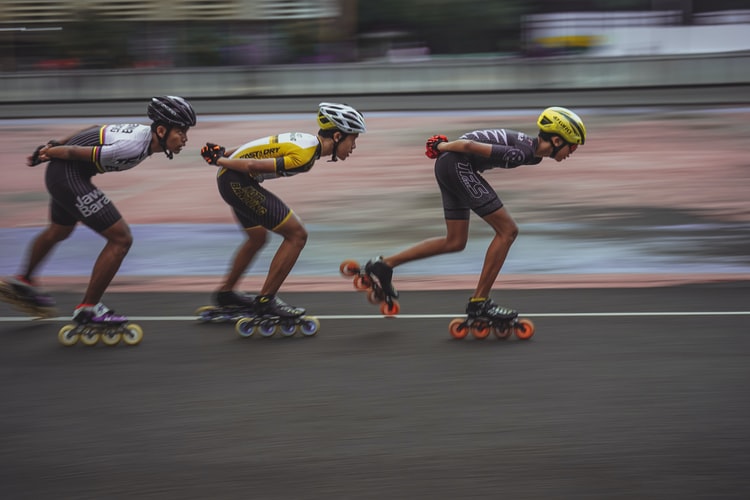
[431,150]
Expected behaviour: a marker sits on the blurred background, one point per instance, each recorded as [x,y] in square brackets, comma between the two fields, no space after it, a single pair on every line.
[663,85]
[100,34]
[236,48]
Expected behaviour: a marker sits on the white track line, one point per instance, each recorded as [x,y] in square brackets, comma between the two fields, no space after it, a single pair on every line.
[9,319]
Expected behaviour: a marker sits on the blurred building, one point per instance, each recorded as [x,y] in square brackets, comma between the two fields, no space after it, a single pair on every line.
[105,33]
[636,33]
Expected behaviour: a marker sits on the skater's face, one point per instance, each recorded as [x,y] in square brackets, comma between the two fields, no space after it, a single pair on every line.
[176,139]
[565,151]
[346,146]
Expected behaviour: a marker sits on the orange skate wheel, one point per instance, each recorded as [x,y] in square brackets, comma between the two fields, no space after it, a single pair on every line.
[362,282]
[373,297]
[349,268]
[390,310]
[480,331]
[502,334]
[458,329]
[524,329]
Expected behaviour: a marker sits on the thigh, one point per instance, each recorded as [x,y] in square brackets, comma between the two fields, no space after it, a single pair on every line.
[76,198]
[253,205]
[463,189]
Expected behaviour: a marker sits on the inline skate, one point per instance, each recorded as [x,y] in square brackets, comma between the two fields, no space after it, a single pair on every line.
[26,298]
[228,306]
[272,315]
[375,278]
[92,324]
[483,318]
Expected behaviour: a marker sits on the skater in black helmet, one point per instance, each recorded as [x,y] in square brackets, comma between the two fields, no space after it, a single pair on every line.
[258,210]
[73,162]
[458,168]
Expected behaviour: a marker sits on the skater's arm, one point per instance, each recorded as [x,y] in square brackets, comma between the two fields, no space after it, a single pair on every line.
[64,152]
[41,155]
[465,146]
[249,166]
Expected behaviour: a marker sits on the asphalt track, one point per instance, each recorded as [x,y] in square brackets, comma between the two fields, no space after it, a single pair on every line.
[622,393]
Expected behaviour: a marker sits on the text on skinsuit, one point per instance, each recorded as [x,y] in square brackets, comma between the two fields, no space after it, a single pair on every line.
[251,197]
[471,181]
[92,202]
[261,153]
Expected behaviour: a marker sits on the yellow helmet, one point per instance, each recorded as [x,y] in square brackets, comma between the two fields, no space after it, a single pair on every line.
[563,122]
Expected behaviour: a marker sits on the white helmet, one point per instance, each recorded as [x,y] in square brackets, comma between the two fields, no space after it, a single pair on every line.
[340,117]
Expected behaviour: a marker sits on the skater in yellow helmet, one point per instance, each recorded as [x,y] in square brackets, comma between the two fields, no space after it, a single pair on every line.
[458,169]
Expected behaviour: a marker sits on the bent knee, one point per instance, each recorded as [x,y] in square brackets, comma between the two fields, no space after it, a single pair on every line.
[452,246]
[119,236]
[297,236]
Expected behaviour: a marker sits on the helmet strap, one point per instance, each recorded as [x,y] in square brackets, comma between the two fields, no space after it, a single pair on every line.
[163,142]
[556,149]
[336,145]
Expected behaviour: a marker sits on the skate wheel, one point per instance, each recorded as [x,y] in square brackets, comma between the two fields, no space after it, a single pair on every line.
[349,268]
[111,338]
[132,334]
[480,331]
[502,333]
[524,329]
[287,329]
[309,326]
[458,329]
[204,313]
[245,327]
[373,297]
[67,335]
[391,309]
[362,282]
[89,337]
[267,329]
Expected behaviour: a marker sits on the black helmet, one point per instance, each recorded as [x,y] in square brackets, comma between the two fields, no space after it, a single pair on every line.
[171,110]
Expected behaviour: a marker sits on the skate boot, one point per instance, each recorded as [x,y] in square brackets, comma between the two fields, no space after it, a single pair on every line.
[227,306]
[487,309]
[270,305]
[98,322]
[384,275]
[484,316]
[233,299]
[273,314]
[97,314]
[24,296]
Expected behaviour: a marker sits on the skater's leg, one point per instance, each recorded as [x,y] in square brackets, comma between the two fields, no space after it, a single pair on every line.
[457,234]
[108,263]
[256,239]
[41,247]
[506,232]
[295,238]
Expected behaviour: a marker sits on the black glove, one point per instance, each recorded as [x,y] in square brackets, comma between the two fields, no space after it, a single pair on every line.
[431,150]
[211,153]
[34,159]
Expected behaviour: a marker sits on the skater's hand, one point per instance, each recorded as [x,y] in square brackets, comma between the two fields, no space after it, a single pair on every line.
[40,153]
[431,148]
[211,153]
